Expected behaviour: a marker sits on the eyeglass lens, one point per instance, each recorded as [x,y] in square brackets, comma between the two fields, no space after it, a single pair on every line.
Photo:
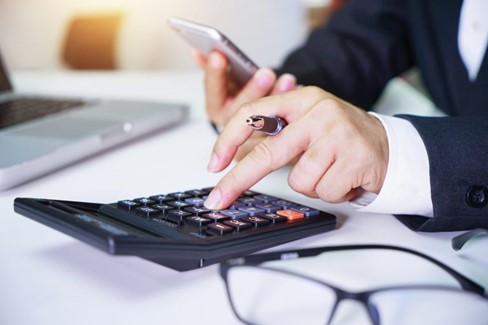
[429,306]
[260,296]
[265,296]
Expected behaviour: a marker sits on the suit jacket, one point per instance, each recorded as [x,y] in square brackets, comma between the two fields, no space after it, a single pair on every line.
[367,43]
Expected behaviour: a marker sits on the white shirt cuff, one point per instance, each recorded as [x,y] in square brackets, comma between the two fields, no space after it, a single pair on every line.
[406,189]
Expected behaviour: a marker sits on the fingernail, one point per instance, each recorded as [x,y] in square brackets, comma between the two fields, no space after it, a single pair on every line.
[264,78]
[215,61]
[213,199]
[287,82]
[213,163]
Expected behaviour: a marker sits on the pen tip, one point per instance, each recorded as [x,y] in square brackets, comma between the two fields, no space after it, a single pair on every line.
[256,121]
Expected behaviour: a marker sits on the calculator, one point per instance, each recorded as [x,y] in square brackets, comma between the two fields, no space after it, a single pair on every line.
[176,230]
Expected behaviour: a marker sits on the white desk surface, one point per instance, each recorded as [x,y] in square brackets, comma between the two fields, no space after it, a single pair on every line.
[47,277]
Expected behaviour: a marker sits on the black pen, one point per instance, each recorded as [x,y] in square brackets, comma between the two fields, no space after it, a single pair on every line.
[270,124]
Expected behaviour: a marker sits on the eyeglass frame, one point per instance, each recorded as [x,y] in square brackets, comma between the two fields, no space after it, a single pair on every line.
[459,241]
[256,259]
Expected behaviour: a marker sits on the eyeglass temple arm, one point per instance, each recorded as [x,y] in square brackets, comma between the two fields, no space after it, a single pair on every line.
[259,258]
[459,241]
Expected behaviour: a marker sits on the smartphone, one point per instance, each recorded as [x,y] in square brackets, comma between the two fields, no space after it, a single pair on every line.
[207,39]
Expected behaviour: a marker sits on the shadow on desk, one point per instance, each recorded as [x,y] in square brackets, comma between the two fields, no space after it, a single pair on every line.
[125,275]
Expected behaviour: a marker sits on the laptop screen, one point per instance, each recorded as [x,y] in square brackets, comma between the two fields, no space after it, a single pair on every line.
[4,82]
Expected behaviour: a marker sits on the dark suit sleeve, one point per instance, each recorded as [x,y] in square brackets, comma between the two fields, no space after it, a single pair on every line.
[363,46]
[457,148]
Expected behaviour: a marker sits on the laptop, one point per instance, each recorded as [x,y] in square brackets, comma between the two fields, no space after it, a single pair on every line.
[41,134]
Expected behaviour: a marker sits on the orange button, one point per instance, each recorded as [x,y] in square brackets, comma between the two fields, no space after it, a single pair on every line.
[290,214]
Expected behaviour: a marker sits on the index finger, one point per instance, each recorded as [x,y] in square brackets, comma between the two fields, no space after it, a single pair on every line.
[269,155]
[287,106]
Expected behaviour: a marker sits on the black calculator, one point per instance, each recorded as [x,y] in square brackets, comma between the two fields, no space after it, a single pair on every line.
[176,230]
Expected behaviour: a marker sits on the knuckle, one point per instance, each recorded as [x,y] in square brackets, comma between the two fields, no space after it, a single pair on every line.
[299,179]
[231,178]
[313,91]
[295,182]
[327,110]
[264,153]
[325,194]
[246,109]
[331,106]
[249,145]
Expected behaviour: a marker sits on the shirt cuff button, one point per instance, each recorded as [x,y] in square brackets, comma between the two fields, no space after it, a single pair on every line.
[477,196]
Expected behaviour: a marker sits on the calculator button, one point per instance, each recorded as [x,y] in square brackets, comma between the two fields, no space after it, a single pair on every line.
[216,216]
[236,205]
[252,211]
[161,198]
[308,212]
[247,200]
[257,221]
[164,208]
[218,229]
[265,198]
[179,204]
[234,214]
[128,205]
[180,195]
[196,201]
[291,214]
[201,192]
[145,201]
[238,224]
[198,221]
[274,218]
[249,193]
[147,211]
[177,215]
[284,204]
[268,207]
[197,210]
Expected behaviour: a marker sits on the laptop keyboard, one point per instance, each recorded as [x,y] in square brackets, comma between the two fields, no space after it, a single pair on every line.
[24,109]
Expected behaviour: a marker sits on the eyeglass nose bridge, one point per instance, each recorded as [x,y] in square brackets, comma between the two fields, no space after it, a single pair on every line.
[361,297]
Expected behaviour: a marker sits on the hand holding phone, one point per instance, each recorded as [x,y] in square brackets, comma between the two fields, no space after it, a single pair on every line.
[206,39]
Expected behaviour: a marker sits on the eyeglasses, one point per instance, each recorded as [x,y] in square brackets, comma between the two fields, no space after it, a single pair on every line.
[272,295]
[459,241]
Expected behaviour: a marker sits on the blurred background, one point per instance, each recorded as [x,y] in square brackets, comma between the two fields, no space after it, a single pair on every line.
[133,34]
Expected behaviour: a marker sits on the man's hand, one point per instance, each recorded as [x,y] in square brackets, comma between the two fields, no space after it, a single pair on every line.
[339,147]
[223,96]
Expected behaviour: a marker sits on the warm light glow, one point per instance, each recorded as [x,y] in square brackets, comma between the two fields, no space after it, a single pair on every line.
[32,31]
